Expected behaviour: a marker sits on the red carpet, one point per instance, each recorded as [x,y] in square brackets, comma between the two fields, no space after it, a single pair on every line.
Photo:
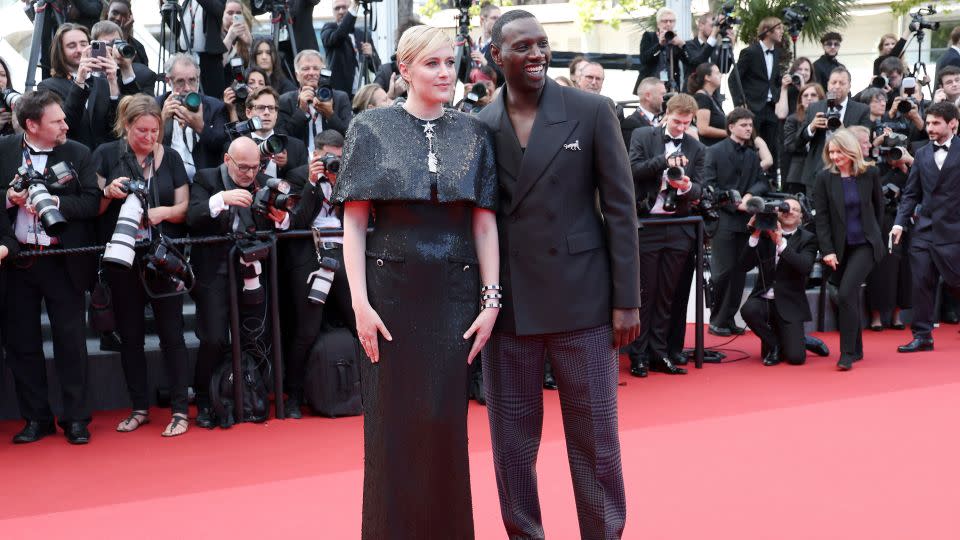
[736,451]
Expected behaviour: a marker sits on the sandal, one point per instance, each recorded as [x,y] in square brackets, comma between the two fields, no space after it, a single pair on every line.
[133,422]
[179,423]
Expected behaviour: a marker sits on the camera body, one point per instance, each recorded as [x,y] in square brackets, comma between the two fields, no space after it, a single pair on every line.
[472,99]
[239,84]
[275,194]
[794,17]
[673,174]
[893,147]
[834,122]
[728,22]
[167,264]
[243,127]
[891,195]
[39,187]
[252,252]
[919,22]
[331,162]
[192,101]
[126,49]
[796,80]
[325,86]
[766,213]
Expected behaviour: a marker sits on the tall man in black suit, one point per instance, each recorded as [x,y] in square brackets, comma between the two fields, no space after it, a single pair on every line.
[778,306]
[264,103]
[952,55]
[933,186]
[347,52]
[198,136]
[58,282]
[569,261]
[660,58]
[731,165]
[759,69]
[703,47]
[664,250]
[302,114]
[815,129]
[200,35]
[650,92]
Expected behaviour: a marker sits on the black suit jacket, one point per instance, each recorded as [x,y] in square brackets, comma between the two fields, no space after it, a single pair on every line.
[723,171]
[297,154]
[950,58]
[936,191]
[831,213]
[650,52]
[294,122]
[630,123]
[755,83]
[648,161]
[856,114]
[301,13]
[300,252]
[554,236]
[788,276]
[79,201]
[342,58]
[90,126]
[209,145]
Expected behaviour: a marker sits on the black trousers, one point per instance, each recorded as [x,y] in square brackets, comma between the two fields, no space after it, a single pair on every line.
[310,317]
[850,275]
[728,279]
[46,281]
[211,74]
[681,298]
[768,127]
[762,317]
[927,267]
[664,251]
[129,301]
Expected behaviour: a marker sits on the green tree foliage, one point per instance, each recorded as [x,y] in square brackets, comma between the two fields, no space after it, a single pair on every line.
[824,16]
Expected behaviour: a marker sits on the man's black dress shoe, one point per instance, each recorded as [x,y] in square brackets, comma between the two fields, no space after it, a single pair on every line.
[719,330]
[678,358]
[33,431]
[638,370]
[549,381]
[205,418]
[736,330]
[845,363]
[291,408]
[816,346]
[917,345]
[77,433]
[773,357]
[664,365]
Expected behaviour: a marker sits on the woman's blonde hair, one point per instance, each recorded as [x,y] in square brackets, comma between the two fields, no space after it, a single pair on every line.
[420,40]
[133,107]
[884,38]
[365,96]
[848,144]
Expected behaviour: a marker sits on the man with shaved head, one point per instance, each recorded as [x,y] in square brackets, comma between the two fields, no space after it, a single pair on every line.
[220,203]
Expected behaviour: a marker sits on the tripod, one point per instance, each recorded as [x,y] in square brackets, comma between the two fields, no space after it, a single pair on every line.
[725,63]
[281,31]
[368,26]
[39,10]
[171,15]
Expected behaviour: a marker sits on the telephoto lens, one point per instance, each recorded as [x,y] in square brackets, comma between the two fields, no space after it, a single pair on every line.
[121,249]
[46,208]
[668,36]
[191,101]
[271,146]
[126,50]
[321,280]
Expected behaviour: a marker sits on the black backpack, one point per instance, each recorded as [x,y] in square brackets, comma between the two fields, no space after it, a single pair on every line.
[332,381]
[256,398]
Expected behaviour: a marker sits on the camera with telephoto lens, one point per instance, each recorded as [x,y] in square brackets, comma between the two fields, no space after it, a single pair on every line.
[331,162]
[796,80]
[275,194]
[891,195]
[766,212]
[325,86]
[893,147]
[239,84]
[8,98]
[39,186]
[834,121]
[728,22]
[243,127]
[794,17]
[121,249]
[191,101]
[321,280]
[880,81]
[706,206]
[271,146]
[908,101]
[919,23]
[252,252]
[164,263]
[673,173]
[470,102]
[126,50]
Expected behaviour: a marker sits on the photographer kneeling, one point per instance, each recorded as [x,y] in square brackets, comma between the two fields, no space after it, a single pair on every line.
[145,197]
[224,200]
[784,254]
[312,263]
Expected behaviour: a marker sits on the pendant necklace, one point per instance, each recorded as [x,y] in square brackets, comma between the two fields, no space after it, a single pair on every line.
[431,156]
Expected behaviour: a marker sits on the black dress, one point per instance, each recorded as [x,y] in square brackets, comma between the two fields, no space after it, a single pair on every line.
[717,118]
[423,280]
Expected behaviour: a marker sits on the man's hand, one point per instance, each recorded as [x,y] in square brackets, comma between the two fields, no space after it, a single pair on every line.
[677,161]
[819,122]
[229,97]
[237,197]
[366,49]
[895,233]
[683,184]
[398,85]
[18,198]
[171,108]
[776,234]
[276,215]
[939,95]
[5,118]
[831,260]
[626,326]
[478,57]
[4,252]
[280,159]
[325,108]
[192,119]
[86,67]
[750,225]
[305,98]
[677,40]
[742,207]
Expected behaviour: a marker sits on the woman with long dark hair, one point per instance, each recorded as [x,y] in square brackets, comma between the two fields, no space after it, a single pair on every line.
[711,122]
[264,56]
[6,112]
[795,152]
[849,207]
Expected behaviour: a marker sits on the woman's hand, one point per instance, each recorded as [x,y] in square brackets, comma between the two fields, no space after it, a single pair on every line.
[5,118]
[369,325]
[114,190]
[480,330]
[158,215]
[831,261]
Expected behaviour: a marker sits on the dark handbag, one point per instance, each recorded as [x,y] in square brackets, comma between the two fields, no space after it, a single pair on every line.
[332,379]
[100,315]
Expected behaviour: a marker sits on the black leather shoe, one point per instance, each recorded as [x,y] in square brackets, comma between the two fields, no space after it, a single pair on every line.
[110,341]
[719,331]
[638,364]
[950,317]
[773,357]
[678,358]
[205,418]
[816,346]
[664,365]
[549,381]
[845,363]
[736,330]
[917,345]
[898,326]
[77,433]
[33,431]
[291,408]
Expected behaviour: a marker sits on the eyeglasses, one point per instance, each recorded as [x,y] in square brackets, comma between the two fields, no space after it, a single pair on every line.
[179,83]
[244,169]
[265,108]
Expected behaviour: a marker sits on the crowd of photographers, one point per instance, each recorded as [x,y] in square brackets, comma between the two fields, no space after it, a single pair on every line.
[246,139]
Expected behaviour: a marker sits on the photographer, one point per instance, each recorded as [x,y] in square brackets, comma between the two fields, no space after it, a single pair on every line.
[650,92]
[761,80]
[731,165]
[795,151]
[777,307]
[58,282]
[120,12]
[801,71]
[263,103]
[948,82]
[83,13]
[347,52]
[826,116]
[236,35]
[662,53]
[6,112]
[202,21]
[139,157]
[303,114]
[302,258]
[193,123]
[591,79]
[905,108]
[667,167]
[265,57]
[889,47]
[220,203]
[89,85]
[828,62]
[254,78]
[703,47]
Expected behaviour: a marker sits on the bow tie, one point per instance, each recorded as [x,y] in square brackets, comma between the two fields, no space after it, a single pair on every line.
[770,51]
[938,147]
[669,139]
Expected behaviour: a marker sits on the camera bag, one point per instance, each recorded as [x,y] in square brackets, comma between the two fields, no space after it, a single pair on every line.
[332,380]
[256,397]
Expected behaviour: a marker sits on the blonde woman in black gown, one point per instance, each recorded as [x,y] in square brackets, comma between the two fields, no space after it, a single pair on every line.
[425,291]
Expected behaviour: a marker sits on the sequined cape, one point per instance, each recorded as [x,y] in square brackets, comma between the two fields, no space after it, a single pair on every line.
[385,158]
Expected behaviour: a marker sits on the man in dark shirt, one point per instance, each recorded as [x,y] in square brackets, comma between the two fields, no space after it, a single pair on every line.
[828,61]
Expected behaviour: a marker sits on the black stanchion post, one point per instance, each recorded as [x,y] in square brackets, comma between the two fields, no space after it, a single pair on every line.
[275,331]
[698,330]
[235,335]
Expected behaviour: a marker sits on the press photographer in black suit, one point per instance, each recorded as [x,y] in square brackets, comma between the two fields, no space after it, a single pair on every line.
[759,67]
[301,258]
[264,103]
[667,167]
[200,35]
[302,114]
[198,136]
[80,12]
[650,92]
[139,156]
[849,208]
[58,282]
[932,190]
[731,164]
[661,58]
[778,306]
[347,52]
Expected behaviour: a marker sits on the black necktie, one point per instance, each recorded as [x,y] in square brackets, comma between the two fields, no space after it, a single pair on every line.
[938,147]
